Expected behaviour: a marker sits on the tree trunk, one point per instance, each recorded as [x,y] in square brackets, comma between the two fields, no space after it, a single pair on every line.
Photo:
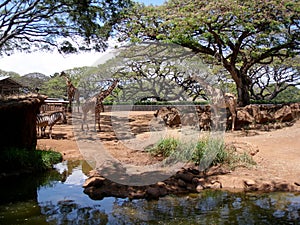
[243,95]
[243,83]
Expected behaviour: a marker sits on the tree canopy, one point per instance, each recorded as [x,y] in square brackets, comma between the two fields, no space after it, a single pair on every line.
[270,80]
[236,35]
[67,25]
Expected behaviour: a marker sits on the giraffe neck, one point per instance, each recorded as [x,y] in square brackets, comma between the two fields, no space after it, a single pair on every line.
[68,82]
[107,92]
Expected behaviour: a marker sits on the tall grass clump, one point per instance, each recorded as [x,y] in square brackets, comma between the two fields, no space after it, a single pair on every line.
[198,151]
[207,151]
[15,159]
[165,147]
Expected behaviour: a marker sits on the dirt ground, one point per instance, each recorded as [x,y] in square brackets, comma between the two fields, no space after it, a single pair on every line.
[277,157]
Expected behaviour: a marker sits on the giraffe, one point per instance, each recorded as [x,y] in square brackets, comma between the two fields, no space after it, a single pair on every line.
[231,104]
[219,99]
[97,102]
[72,92]
[224,100]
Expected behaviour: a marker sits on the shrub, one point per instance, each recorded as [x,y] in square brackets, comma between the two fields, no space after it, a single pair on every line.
[236,159]
[205,152]
[21,159]
[210,151]
[165,147]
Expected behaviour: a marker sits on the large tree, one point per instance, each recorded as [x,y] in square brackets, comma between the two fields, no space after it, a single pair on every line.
[234,34]
[69,25]
[270,80]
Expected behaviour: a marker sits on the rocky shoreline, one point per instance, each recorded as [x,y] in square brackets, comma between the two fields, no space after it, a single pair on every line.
[185,181]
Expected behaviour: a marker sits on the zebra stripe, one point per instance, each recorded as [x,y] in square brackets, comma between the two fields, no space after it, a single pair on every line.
[42,121]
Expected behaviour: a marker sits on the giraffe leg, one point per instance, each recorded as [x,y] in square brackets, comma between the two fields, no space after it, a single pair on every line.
[83,121]
[97,122]
[233,121]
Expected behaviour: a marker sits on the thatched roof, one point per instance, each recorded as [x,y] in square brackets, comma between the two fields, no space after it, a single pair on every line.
[21,100]
[8,85]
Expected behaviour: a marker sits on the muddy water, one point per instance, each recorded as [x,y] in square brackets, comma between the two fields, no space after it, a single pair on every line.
[57,197]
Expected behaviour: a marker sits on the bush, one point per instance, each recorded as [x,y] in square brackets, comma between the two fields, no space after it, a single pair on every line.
[15,159]
[210,150]
[205,152]
[165,147]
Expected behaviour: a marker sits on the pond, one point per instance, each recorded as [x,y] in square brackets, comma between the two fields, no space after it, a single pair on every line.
[57,197]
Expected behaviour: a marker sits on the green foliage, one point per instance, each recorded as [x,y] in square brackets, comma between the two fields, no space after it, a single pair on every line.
[291,94]
[33,80]
[165,147]
[220,31]
[47,25]
[236,159]
[207,148]
[13,75]
[205,152]
[177,150]
[28,160]
[54,88]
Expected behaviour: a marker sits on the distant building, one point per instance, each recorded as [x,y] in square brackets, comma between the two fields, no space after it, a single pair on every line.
[9,86]
[54,104]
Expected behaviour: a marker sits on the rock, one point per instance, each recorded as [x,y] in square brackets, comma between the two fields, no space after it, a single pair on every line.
[205,121]
[195,180]
[181,183]
[249,182]
[161,184]
[265,117]
[199,188]
[277,125]
[170,115]
[244,117]
[193,171]
[94,181]
[231,182]
[173,120]
[189,119]
[187,177]
[284,114]
[216,185]
[295,107]
[265,186]
[137,195]
[155,193]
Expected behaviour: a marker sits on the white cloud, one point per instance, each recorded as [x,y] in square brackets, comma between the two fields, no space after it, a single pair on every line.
[47,63]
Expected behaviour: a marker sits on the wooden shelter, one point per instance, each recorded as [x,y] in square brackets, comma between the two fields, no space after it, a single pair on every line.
[9,86]
[54,104]
[18,121]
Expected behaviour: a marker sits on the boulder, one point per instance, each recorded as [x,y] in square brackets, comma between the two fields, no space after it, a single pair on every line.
[295,107]
[155,192]
[284,114]
[244,117]
[170,115]
[94,181]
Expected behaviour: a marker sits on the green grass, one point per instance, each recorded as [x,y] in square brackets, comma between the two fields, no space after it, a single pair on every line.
[165,147]
[15,159]
[205,152]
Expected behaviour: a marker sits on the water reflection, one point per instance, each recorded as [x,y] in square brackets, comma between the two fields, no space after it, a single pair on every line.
[57,198]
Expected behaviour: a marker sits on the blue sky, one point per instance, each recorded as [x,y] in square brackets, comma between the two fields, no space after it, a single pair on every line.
[153,2]
[50,63]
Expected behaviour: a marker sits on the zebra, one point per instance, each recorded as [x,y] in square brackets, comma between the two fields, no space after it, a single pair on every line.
[42,121]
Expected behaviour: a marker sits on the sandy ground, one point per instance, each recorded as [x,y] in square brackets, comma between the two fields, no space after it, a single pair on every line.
[277,157]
